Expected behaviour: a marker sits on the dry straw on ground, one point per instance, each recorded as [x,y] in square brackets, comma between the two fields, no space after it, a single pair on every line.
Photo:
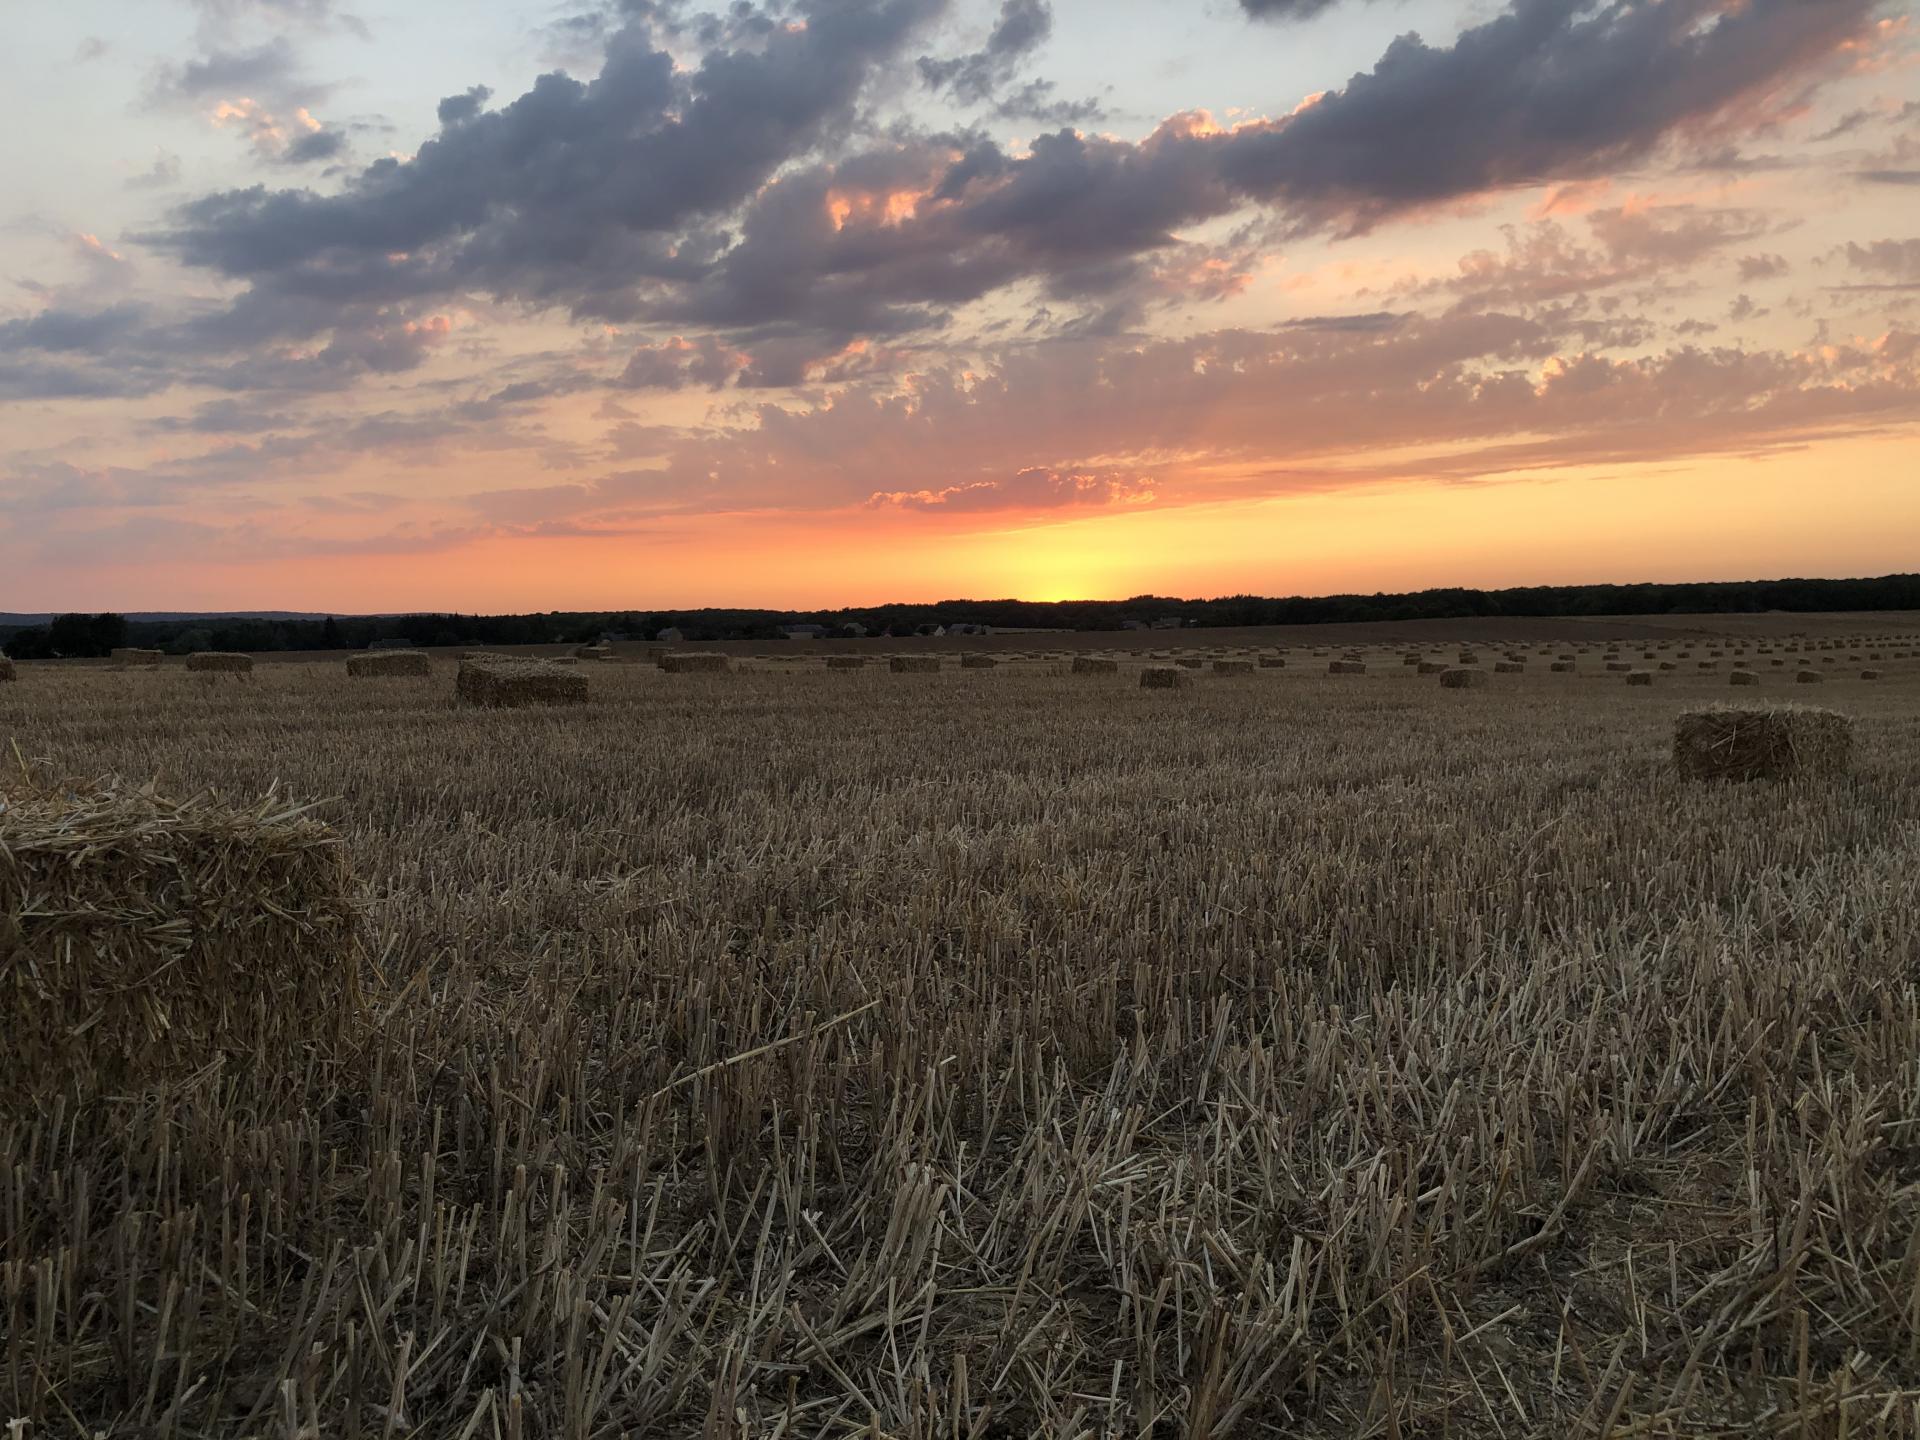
[509,681]
[1462,678]
[913,664]
[145,938]
[389,663]
[220,662]
[1165,677]
[692,662]
[1761,742]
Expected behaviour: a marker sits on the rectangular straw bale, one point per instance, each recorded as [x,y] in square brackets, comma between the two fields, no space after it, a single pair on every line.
[1639,677]
[979,662]
[1463,678]
[1165,677]
[1742,677]
[1347,667]
[1272,662]
[221,662]
[518,680]
[693,662]
[1761,742]
[389,662]
[1809,677]
[1233,667]
[846,662]
[1189,662]
[1562,667]
[147,937]
[1509,667]
[913,664]
[1095,665]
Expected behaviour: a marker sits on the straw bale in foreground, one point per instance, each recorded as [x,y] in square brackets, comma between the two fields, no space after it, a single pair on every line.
[1761,742]
[518,681]
[979,662]
[1562,667]
[1810,677]
[1165,677]
[1095,665]
[390,662]
[1509,667]
[1742,677]
[691,662]
[148,937]
[221,662]
[1347,667]
[1639,677]
[1272,662]
[1233,667]
[1462,679]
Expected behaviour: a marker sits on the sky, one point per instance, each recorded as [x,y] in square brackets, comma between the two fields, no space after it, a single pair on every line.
[491,305]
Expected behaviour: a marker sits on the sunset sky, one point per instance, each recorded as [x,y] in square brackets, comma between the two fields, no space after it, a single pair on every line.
[359,305]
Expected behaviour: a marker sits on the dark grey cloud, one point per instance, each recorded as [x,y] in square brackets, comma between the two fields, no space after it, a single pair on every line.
[271,68]
[1022,27]
[314,147]
[1548,91]
[1286,9]
[1894,259]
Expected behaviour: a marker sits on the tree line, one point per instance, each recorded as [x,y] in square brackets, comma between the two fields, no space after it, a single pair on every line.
[78,635]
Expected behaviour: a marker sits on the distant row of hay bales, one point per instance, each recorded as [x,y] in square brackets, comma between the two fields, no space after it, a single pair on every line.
[389,663]
[150,936]
[501,680]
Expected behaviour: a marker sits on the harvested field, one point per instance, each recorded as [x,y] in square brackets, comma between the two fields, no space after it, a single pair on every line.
[693,662]
[375,663]
[1020,1057]
[220,662]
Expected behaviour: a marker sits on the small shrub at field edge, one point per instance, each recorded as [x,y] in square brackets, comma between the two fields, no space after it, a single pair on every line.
[1761,742]
[390,662]
[220,662]
[513,681]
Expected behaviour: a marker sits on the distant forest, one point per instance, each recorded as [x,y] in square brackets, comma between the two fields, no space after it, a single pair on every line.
[96,635]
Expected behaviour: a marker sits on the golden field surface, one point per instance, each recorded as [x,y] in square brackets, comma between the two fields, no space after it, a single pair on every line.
[1013,1052]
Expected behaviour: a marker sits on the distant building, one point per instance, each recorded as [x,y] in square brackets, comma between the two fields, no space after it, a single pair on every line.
[670,636]
[853,629]
[803,632]
[1167,622]
[1133,624]
[968,627]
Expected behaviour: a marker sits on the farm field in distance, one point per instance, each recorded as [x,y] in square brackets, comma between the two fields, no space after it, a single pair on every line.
[1014,1052]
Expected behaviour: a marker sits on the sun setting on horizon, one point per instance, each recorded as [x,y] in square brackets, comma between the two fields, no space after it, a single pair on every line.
[1288,296]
